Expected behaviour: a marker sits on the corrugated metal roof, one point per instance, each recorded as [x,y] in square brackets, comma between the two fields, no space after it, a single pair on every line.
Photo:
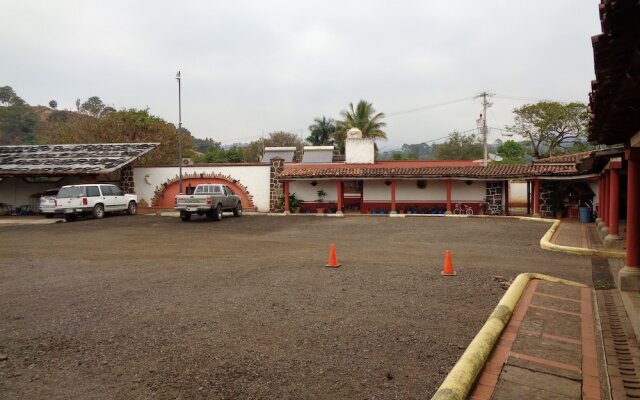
[66,159]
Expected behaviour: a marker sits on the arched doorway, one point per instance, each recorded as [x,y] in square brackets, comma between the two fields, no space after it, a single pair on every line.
[165,195]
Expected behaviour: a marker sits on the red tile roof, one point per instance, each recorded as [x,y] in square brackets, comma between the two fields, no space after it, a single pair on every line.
[382,170]
[565,159]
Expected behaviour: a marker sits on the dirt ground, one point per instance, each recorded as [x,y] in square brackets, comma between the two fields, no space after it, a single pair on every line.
[151,307]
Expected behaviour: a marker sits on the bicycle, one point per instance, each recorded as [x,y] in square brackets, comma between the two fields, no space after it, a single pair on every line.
[463,209]
[494,209]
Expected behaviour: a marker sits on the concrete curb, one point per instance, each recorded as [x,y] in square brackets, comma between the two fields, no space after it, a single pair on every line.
[460,380]
[545,244]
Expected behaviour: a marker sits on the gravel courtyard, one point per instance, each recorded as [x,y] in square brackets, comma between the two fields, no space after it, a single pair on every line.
[151,307]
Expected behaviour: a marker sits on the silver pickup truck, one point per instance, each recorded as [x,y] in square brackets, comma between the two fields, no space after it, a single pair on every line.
[209,199]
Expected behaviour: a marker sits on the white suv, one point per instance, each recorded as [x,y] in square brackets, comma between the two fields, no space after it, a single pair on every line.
[95,199]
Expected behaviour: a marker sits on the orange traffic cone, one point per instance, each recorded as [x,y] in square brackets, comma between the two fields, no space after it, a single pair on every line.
[447,269]
[333,261]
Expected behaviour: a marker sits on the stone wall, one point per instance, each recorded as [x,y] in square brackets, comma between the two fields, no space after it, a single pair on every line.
[126,179]
[275,184]
[494,193]
[546,198]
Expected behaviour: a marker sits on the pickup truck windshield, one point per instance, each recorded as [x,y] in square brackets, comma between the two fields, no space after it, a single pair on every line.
[71,192]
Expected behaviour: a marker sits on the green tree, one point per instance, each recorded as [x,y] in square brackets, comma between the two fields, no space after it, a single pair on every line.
[254,150]
[511,152]
[419,151]
[53,104]
[95,107]
[18,121]
[399,156]
[204,145]
[364,117]
[550,126]
[124,126]
[460,147]
[321,131]
[7,94]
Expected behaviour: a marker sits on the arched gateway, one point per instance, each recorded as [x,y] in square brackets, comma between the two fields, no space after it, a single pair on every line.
[165,195]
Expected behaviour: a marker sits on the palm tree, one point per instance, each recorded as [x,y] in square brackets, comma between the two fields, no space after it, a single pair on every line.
[363,117]
[321,131]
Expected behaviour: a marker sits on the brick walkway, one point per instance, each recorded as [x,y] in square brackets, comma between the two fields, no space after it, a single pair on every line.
[576,234]
[547,350]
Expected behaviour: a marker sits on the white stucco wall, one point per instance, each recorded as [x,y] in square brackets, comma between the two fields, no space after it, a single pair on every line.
[306,192]
[359,151]
[255,177]
[436,191]
[474,192]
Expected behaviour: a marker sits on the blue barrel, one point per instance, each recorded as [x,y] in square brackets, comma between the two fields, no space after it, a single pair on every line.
[586,215]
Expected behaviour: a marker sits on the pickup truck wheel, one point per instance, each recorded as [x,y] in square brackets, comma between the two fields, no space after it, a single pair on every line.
[237,212]
[132,209]
[217,215]
[211,214]
[70,217]
[98,211]
[185,216]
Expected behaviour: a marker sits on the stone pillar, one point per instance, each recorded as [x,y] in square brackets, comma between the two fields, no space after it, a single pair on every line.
[340,196]
[275,184]
[449,209]
[629,276]
[286,197]
[393,197]
[493,196]
[126,179]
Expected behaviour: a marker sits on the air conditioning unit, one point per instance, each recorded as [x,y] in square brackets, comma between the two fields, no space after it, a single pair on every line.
[188,162]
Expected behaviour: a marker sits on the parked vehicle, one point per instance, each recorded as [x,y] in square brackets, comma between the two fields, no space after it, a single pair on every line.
[48,203]
[210,200]
[95,200]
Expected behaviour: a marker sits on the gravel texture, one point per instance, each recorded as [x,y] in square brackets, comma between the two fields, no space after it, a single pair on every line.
[151,307]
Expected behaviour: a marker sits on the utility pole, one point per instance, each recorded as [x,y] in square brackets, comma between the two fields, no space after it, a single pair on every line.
[485,131]
[179,131]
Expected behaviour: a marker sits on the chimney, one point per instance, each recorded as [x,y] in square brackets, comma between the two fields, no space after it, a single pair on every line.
[358,150]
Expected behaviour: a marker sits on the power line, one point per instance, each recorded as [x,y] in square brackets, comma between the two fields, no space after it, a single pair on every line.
[524,98]
[393,114]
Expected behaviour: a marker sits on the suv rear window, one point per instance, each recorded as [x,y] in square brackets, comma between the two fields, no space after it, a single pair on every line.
[71,192]
[50,193]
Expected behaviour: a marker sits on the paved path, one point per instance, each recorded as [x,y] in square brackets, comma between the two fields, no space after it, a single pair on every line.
[548,349]
[575,234]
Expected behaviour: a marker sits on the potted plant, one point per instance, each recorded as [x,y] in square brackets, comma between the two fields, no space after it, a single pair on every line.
[294,203]
[321,194]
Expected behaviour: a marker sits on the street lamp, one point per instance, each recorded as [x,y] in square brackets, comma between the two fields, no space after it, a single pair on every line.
[179,131]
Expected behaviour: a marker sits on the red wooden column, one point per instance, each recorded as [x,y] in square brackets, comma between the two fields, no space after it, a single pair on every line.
[393,196]
[286,196]
[340,195]
[536,197]
[605,211]
[633,211]
[614,202]
[449,209]
[629,276]
[506,197]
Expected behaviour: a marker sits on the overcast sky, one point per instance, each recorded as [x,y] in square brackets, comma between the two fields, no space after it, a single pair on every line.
[253,67]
